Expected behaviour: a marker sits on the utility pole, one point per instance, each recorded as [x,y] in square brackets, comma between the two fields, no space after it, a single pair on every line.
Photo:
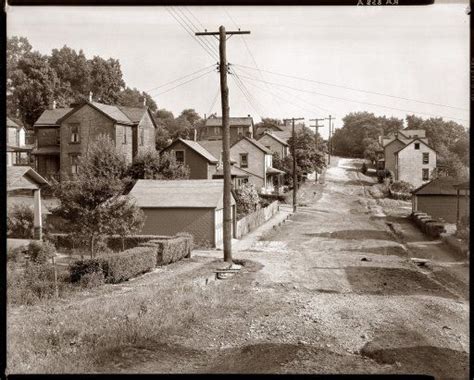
[330,139]
[293,153]
[316,126]
[225,136]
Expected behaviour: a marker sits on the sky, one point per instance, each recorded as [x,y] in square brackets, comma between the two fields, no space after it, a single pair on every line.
[298,61]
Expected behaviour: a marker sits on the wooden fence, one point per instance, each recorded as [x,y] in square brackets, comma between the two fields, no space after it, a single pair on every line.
[257,218]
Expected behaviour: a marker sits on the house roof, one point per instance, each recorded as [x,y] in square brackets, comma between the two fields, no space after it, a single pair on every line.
[12,124]
[214,147]
[276,138]
[403,141]
[47,150]
[192,193]
[51,117]
[215,121]
[254,142]
[23,177]
[194,145]
[409,133]
[274,171]
[438,186]
[462,185]
[412,141]
[112,112]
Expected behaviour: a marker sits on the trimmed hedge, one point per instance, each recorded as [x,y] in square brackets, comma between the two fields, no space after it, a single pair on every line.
[171,249]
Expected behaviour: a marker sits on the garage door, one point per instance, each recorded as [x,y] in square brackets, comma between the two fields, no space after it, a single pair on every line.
[219,240]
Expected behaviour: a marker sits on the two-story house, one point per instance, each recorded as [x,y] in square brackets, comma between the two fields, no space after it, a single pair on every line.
[275,144]
[256,160]
[239,127]
[415,162]
[63,135]
[18,153]
[204,160]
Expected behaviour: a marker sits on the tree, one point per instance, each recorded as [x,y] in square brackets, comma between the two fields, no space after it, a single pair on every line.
[35,85]
[92,202]
[106,79]
[134,98]
[371,147]
[17,48]
[247,199]
[162,138]
[149,164]
[267,123]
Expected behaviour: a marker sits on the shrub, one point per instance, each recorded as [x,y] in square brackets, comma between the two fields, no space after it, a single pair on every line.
[247,199]
[33,284]
[364,169]
[39,252]
[401,187]
[16,255]
[20,221]
[81,268]
[92,279]
[171,249]
[130,263]
[189,242]
[383,174]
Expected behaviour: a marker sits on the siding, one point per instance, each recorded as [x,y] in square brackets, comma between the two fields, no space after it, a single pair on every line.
[46,136]
[12,136]
[208,133]
[256,161]
[273,145]
[389,154]
[149,134]
[169,221]
[410,164]
[197,164]
[441,206]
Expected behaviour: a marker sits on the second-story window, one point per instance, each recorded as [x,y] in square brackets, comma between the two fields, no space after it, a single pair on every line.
[75,138]
[142,136]
[124,135]
[244,163]
[417,146]
[426,158]
[74,163]
[240,131]
[425,173]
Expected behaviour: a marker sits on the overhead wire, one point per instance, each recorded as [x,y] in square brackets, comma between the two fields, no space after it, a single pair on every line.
[181,84]
[180,78]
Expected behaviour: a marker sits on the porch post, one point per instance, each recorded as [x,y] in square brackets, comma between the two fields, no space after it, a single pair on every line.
[37,223]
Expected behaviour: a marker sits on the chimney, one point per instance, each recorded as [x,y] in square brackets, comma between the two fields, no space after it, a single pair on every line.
[204,116]
[90,96]
[54,104]
[144,101]
[195,134]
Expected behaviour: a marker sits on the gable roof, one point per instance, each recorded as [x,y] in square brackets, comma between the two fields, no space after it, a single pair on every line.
[215,121]
[23,177]
[113,112]
[12,123]
[276,138]
[194,145]
[411,142]
[396,139]
[254,142]
[51,117]
[191,193]
[135,114]
[438,186]
[409,133]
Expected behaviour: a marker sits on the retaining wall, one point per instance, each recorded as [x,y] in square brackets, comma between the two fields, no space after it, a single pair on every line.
[254,220]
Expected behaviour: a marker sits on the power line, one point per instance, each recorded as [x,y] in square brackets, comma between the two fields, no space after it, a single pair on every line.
[181,84]
[356,89]
[210,52]
[350,100]
[178,79]
[246,94]
[214,101]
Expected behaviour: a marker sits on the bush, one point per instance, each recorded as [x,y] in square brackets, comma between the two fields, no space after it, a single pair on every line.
[16,255]
[384,174]
[82,268]
[92,280]
[40,252]
[33,284]
[171,249]
[401,187]
[20,221]
[364,169]
[247,199]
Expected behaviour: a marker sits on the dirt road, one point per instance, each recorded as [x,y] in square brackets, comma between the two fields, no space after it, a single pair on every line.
[333,290]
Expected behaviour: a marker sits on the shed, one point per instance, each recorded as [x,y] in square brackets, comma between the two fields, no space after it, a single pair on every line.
[193,206]
[439,199]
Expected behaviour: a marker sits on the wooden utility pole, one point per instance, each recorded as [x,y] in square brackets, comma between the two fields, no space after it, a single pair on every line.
[293,153]
[330,139]
[316,126]
[225,136]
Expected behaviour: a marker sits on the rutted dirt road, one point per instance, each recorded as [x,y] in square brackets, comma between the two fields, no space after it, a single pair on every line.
[333,290]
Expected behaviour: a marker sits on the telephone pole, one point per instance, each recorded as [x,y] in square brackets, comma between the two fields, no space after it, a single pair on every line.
[225,136]
[316,126]
[330,139]
[293,153]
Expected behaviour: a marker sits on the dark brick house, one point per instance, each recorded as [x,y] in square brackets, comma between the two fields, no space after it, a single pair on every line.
[62,135]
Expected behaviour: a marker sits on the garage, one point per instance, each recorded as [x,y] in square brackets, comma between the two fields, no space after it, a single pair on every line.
[193,206]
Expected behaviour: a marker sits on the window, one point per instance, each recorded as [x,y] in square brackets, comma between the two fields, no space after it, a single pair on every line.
[426,158]
[425,174]
[74,163]
[240,131]
[217,130]
[74,133]
[124,135]
[244,160]
[179,154]
[417,146]
[142,136]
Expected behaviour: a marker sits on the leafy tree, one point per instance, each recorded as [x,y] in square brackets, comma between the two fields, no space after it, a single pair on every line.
[106,79]
[134,98]
[162,138]
[267,123]
[247,199]
[91,202]
[149,164]
[191,116]
[371,147]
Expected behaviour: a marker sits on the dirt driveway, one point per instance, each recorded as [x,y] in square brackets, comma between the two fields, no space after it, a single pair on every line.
[332,290]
